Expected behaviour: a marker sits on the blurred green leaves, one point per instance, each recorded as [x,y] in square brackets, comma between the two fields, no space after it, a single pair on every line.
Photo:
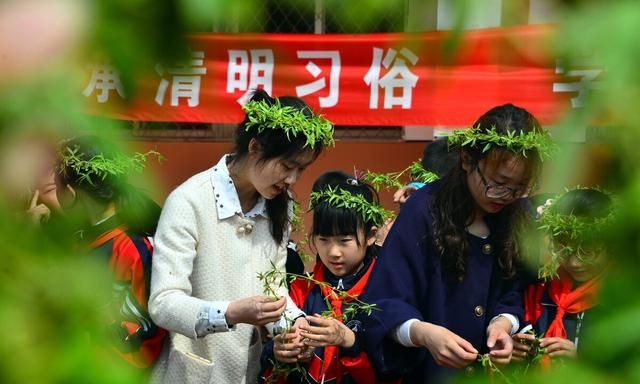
[50,307]
[604,35]
[51,310]
[224,15]
[133,35]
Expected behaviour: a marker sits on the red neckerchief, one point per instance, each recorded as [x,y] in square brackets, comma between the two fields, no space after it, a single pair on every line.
[109,235]
[568,301]
[328,364]
[532,306]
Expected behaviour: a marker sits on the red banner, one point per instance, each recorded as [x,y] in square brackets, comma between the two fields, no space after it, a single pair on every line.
[371,79]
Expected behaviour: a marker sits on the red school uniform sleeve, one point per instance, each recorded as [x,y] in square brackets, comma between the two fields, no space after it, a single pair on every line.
[139,340]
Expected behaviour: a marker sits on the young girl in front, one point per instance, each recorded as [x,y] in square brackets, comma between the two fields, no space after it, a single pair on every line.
[556,309]
[445,282]
[217,232]
[345,219]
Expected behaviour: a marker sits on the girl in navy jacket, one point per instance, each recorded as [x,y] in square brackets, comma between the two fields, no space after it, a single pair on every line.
[446,281]
[344,238]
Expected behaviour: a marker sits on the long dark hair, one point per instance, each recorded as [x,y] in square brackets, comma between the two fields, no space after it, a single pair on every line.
[453,205]
[274,143]
[329,220]
[134,208]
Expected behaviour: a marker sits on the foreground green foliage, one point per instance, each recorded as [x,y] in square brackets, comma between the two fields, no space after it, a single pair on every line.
[50,304]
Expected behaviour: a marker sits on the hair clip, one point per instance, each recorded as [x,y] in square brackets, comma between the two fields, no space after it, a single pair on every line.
[358,175]
[541,208]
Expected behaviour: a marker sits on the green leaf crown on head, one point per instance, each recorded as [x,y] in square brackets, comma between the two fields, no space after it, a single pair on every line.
[576,229]
[340,198]
[518,142]
[294,122]
[101,167]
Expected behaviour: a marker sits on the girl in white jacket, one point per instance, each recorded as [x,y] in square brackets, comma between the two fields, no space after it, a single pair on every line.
[217,231]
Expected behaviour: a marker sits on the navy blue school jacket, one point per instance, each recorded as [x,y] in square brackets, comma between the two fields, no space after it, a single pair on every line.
[352,359]
[408,282]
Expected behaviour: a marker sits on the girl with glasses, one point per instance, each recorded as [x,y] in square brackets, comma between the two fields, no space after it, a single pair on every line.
[445,282]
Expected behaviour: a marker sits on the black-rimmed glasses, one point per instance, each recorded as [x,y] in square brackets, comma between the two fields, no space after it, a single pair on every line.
[499,191]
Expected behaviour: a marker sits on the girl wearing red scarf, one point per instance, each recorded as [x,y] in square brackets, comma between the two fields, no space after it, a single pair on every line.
[344,238]
[556,308]
[92,188]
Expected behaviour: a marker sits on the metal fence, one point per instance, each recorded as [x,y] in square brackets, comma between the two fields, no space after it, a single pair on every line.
[225,132]
[294,16]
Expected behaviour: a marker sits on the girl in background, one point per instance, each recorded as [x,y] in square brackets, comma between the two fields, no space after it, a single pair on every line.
[556,309]
[92,183]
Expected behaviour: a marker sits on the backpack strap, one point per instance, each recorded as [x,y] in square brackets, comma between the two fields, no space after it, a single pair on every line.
[145,249]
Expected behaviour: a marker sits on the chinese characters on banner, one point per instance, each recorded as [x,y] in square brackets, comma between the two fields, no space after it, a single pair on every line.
[371,79]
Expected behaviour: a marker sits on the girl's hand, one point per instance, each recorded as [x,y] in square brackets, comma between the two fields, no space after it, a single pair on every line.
[557,346]
[325,332]
[520,348]
[447,348]
[403,193]
[307,351]
[37,213]
[285,347]
[300,323]
[256,310]
[499,341]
